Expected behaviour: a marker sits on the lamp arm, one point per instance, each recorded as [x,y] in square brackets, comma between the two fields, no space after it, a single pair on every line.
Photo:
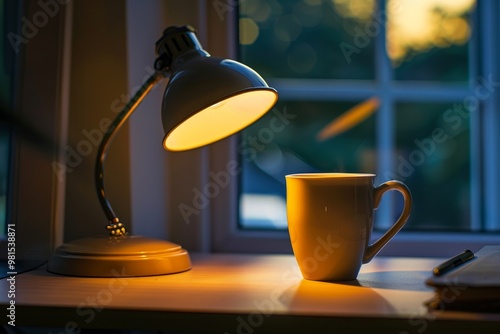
[114,226]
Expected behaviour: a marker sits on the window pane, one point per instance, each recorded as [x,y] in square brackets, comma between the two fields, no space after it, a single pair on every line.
[4,138]
[433,159]
[429,40]
[301,137]
[308,38]
[431,141]
[5,92]
[4,159]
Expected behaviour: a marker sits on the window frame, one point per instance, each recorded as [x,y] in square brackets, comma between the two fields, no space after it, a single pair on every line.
[223,210]
[35,192]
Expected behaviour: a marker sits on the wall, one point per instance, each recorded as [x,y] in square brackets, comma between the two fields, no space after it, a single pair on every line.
[98,79]
[113,42]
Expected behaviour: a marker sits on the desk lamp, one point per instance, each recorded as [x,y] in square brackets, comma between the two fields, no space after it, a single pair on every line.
[206,99]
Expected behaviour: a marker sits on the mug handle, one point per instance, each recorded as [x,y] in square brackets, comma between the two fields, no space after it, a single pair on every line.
[374,248]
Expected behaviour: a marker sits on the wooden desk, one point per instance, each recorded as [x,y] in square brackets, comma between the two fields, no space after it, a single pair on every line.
[243,294]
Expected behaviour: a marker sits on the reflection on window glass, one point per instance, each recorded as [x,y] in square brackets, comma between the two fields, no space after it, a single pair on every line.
[428,39]
[299,137]
[5,92]
[306,39]
[4,155]
[425,41]
[433,159]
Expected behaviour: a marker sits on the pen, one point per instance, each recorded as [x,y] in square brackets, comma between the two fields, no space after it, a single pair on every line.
[454,262]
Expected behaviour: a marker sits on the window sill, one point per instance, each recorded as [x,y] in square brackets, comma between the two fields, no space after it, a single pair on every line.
[405,243]
[435,244]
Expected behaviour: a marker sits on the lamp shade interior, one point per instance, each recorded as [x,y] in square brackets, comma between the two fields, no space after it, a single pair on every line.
[220,119]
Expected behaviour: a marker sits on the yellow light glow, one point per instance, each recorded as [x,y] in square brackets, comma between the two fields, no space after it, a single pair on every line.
[416,26]
[249,31]
[360,9]
[220,120]
[349,119]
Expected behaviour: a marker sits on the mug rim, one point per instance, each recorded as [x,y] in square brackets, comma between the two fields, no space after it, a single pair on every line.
[329,175]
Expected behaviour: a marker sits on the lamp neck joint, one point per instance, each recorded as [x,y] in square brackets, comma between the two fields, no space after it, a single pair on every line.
[175,43]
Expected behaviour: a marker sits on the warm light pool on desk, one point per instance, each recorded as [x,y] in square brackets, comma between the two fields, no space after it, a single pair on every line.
[207,99]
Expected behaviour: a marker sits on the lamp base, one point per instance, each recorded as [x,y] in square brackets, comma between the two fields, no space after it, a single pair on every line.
[126,256]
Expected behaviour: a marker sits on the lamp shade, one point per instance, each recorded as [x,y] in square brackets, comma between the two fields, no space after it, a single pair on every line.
[208,99]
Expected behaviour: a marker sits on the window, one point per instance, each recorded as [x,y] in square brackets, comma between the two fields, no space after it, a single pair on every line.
[4,155]
[32,59]
[7,70]
[419,76]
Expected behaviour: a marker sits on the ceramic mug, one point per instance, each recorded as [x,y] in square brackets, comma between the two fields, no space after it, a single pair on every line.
[330,221]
